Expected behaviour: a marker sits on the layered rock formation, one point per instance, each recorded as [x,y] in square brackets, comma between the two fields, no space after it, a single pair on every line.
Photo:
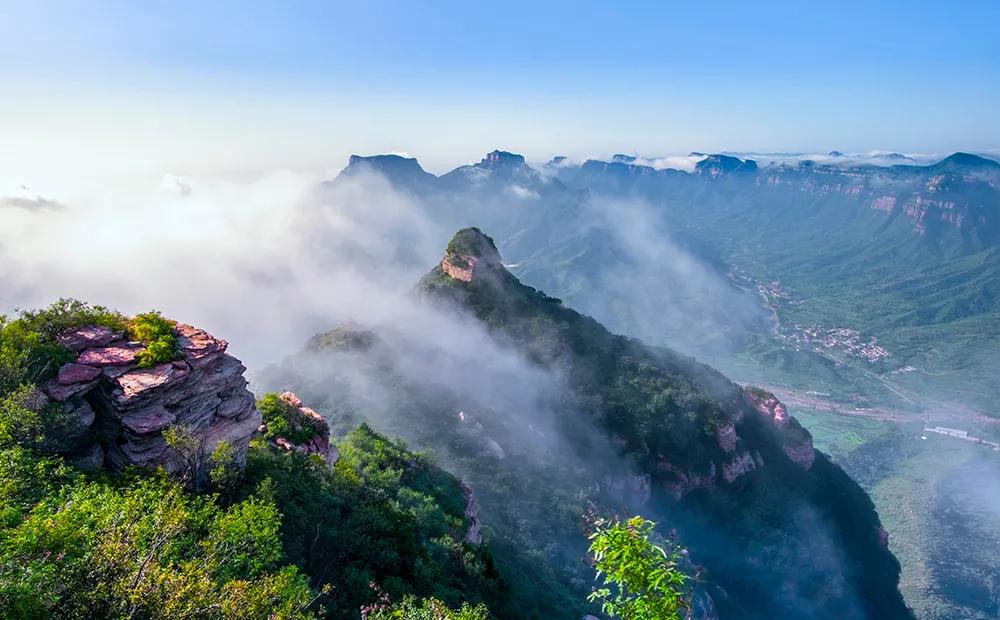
[319,430]
[470,255]
[115,413]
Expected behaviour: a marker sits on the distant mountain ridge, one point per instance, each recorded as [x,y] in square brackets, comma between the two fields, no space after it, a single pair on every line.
[889,234]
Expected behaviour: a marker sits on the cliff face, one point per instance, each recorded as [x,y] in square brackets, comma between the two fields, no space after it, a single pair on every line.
[115,412]
[723,461]
[629,426]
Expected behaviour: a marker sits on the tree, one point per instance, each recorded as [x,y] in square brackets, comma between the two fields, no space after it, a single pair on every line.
[641,580]
[193,451]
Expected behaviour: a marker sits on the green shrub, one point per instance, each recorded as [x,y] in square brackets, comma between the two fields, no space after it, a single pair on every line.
[642,581]
[426,609]
[157,333]
[145,549]
[283,420]
[29,352]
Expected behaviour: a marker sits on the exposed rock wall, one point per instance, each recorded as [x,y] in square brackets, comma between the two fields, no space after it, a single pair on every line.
[474,533]
[123,409]
[796,441]
[319,443]
[459,267]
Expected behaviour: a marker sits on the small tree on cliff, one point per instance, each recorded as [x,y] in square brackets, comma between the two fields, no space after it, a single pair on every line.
[641,580]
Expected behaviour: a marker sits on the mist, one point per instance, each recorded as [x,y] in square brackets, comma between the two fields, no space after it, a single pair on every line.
[262,260]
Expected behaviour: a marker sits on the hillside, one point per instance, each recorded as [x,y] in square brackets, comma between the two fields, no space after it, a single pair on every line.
[560,415]
[141,480]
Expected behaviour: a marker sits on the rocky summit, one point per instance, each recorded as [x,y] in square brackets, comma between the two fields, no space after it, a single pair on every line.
[115,412]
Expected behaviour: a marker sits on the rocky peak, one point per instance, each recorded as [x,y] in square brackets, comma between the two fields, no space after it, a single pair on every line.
[405,171]
[468,252]
[116,412]
[724,165]
[621,158]
[501,159]
[395,163]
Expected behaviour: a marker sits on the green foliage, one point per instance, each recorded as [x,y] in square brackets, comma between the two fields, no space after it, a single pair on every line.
[157,333]
[29,352]
[143,549]
[225,472]
[641,580]
[412,608]
[284,420]
[381,515]
[471,242]
[20,423]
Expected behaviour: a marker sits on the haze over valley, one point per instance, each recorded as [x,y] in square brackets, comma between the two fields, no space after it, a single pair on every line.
[393,312]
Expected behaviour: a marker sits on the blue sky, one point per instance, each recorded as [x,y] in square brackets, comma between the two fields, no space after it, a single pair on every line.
[117,85]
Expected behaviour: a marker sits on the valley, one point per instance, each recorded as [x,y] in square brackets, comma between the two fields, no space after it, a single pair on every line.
[868,319]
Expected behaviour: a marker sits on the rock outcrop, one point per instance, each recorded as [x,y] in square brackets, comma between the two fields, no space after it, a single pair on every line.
[306,418]
[469,255]
[115,413]
[474,533]
[796,441]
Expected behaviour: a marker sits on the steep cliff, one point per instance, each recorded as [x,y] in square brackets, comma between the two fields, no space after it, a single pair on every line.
[115,410]
[602,420]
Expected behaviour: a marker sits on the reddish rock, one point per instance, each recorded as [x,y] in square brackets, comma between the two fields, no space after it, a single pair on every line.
[121,355]
[320,442]
[77,373]
[138,382]
[726,436]
[59,391]
[198,346]
[77,340]
[738,466]
[459,266]
[679,483]
[766,403]
[148,419]
[204,392]
[801,453]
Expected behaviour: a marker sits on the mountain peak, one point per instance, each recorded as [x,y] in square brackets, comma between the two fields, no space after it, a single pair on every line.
[622,158]
[497,159]
[385,163]
[722,165]
[404,171]
[967,160]
[468,252]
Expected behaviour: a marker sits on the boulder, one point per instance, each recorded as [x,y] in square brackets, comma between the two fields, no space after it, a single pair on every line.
[71,374]
[77,340]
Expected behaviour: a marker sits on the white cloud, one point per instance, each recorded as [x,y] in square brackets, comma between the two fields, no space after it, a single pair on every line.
[522,192]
